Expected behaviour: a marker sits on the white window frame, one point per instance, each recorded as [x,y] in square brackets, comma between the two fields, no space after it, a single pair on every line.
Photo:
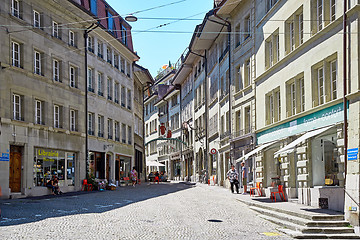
[129,135]
[117,131]
[72,76]
[319,14]
[110,88]
[301,27]
[15,8]
[129,102]
[332,9]
[55,29]
[17,107]
[110,128]
[302,94]
[91,124]
[90,83]
[71,38]
[100,84]
[56,70]
[37,62]
[16,54]
[293,97]
[56,116]
[116,92]
[321,85]
[333,79]
[38,112]
[100,125]
[72,120]
[292,35]
[37,19]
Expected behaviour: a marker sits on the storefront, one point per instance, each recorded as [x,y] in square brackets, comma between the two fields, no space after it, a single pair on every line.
[97,165]
[51,162]
[306,157]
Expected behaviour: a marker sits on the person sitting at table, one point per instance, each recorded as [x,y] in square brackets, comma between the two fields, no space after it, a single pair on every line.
[53,183]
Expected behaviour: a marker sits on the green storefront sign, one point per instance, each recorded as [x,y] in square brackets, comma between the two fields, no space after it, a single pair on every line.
[322,118]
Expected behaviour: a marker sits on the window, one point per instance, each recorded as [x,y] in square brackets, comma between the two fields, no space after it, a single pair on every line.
[72,38]
[129,99]
[73,77]
[100,49]
[247,73]
[108,55]
[247,120]
[270,4]
[110,128]
[91,124]
[73,119]
[272,50]
[332,9]
[116,92]
[110,88]
[90,44]
[237,35]
[273,106]
[295,96]
[15,54]
[123,133]
[122,65]
[123,35]
[247,27]
[39,112]
[56,70]
[128,69]
[15,8]
[117,131]
[37,19]
[37,62]
[324,12]
[116,61]
[90,80]
[100,126]
[333,79]
[17,107]
[100,84]
[123,96]
[321,85]
[55,29]
[294,31]
[237,80]
[57,116]
[129,135]
[93,7]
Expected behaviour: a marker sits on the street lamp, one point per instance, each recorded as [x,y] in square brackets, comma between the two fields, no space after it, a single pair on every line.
[131,18]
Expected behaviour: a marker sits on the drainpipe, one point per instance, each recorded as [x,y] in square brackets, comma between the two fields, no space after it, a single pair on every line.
[228,24]
[206,111]
[86,34]
[345,90]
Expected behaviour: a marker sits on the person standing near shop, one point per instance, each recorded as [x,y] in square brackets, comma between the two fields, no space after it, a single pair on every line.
[133,175]
[233,177]
[244,176]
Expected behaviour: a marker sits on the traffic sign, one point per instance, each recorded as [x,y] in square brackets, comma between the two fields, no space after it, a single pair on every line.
[213,151]
[352,154]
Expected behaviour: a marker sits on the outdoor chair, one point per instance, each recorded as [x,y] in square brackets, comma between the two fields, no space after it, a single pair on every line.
[257,188]
[280,192]
[87,186]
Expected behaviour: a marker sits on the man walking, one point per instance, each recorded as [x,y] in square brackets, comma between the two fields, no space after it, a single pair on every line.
[244,176]
[233,177]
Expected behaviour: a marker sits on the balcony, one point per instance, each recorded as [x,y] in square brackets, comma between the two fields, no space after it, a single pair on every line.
[243,132]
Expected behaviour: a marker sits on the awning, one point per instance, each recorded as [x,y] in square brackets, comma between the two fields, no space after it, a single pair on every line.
[154,164]
[291,146]
[256,150]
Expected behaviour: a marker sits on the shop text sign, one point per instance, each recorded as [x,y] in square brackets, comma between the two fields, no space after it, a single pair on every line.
[352,154]
[322,118]
[5,157]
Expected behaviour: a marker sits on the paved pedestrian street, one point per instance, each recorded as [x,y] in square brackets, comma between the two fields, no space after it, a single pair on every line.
[164,211]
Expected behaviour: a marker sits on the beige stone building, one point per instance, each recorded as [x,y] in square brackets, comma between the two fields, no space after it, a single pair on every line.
[43,118]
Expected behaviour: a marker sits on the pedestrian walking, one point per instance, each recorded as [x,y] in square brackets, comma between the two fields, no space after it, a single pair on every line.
[233,177]
[244,176]
[133,175]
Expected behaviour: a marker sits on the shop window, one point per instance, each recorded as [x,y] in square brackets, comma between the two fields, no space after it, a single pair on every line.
[49,162]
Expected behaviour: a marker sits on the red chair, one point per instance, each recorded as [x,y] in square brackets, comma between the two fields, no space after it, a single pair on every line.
[87,186]
[257,188]
[280,192]
[126,179]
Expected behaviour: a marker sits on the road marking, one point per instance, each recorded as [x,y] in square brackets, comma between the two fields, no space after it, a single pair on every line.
[103,206]
[85,209]
[7,203]
[37,215]
[117,203]
[64,211]
[271,234]
[47,199]
[128,201]
[12,220]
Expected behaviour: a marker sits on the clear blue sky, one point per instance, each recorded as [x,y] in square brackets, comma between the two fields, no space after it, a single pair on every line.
[156,49]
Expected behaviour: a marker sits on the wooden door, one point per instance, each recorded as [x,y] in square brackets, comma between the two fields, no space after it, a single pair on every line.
[107,172]
[15,169]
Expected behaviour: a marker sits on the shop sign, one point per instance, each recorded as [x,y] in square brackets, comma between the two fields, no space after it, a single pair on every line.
[5,157]
[322,118]
[352,154]
[213,151]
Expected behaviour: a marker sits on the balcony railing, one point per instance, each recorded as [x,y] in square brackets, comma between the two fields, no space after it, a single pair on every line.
[243,132]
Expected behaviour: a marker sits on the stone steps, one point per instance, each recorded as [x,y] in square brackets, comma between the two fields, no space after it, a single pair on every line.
[304,225]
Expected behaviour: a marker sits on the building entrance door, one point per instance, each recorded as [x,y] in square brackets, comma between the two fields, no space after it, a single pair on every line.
[15,168]
[108,158]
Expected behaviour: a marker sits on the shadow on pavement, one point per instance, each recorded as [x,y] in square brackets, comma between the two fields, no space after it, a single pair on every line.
[33,209]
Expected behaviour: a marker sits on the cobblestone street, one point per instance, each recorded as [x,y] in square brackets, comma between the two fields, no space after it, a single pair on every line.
[164,211]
